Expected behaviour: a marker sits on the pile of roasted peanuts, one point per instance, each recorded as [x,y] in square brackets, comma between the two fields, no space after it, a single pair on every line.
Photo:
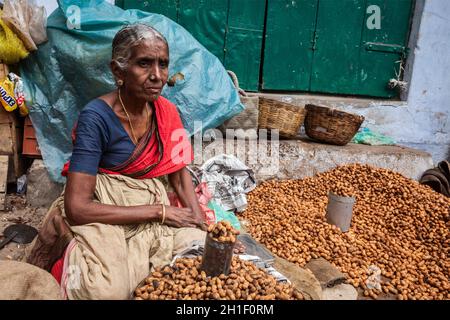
[185,281]
[399,233]
[223,232]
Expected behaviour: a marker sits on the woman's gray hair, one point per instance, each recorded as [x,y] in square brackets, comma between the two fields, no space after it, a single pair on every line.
[129,36]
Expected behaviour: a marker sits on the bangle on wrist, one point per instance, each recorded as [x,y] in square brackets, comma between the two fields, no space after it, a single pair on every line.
[163,214]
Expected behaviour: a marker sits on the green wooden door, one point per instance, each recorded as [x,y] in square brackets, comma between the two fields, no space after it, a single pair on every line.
[326,46]
[384,49]
[352,59]
[289,44]
[338,39]
[243,43]
[207,22]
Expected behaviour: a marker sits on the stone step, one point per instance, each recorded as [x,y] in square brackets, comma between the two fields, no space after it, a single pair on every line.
[297,159]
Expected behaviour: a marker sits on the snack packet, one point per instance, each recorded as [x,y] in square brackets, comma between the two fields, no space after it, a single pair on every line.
[19,93]
[7,98]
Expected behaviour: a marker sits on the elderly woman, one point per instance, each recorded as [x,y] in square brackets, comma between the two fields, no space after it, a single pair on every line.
[115,206]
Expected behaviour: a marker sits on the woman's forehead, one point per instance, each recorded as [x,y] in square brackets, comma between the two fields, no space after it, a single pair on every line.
[150,48]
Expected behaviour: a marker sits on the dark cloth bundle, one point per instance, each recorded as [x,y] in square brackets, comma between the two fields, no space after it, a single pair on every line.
[438,178]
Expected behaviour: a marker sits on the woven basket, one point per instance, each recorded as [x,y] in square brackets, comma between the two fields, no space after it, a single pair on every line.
[248,118]
[285,117]
[331,126]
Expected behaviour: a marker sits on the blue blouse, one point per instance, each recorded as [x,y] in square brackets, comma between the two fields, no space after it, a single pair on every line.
[101,140]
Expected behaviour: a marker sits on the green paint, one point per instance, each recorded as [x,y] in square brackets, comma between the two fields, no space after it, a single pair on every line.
[164,7]
[289,41]
[381,62]
[336,58]
[244,41]
[322,46]
[207,22]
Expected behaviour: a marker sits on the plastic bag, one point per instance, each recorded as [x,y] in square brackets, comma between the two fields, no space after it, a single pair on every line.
[203,197]
[7,95]
[366,136]
[72,68]
[16,16]
[222,214]
[38,23]
[12,49]
[27,20]
[22,184]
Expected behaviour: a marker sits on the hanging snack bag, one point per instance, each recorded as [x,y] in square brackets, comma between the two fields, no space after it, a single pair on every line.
[7,95]
[19,93]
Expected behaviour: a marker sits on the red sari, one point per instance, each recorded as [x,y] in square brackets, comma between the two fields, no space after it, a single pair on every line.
[164,149]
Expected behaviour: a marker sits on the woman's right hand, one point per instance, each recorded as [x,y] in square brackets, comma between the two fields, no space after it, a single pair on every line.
[181,218]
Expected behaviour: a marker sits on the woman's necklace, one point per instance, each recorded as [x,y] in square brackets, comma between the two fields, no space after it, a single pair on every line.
[129,119]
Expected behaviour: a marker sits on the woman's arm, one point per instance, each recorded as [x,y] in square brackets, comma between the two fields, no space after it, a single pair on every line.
[181,181]
[81,209]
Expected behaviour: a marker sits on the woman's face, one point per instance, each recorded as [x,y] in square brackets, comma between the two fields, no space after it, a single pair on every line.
[148,70]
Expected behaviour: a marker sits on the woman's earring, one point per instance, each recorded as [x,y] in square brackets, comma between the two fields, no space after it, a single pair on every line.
[120,83]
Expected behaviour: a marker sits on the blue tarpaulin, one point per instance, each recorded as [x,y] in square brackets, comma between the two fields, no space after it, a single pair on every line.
[72,68]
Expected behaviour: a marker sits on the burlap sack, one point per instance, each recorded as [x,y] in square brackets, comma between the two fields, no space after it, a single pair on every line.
[23,281]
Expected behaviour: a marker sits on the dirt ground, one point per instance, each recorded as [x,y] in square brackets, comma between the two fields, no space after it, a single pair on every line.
[18,212]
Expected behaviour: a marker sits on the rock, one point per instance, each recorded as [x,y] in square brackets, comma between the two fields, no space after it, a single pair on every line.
[302,279]
[331,280]
[340,292]
[41,191]
[327,274]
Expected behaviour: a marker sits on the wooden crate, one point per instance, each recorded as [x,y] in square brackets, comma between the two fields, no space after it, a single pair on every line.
[3,180]
[30,144]
[11,143]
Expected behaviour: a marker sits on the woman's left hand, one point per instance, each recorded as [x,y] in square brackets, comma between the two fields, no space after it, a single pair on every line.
[201,217]
[181,181]
[181,218]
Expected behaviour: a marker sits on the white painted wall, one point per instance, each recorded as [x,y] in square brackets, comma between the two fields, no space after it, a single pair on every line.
[429,95]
